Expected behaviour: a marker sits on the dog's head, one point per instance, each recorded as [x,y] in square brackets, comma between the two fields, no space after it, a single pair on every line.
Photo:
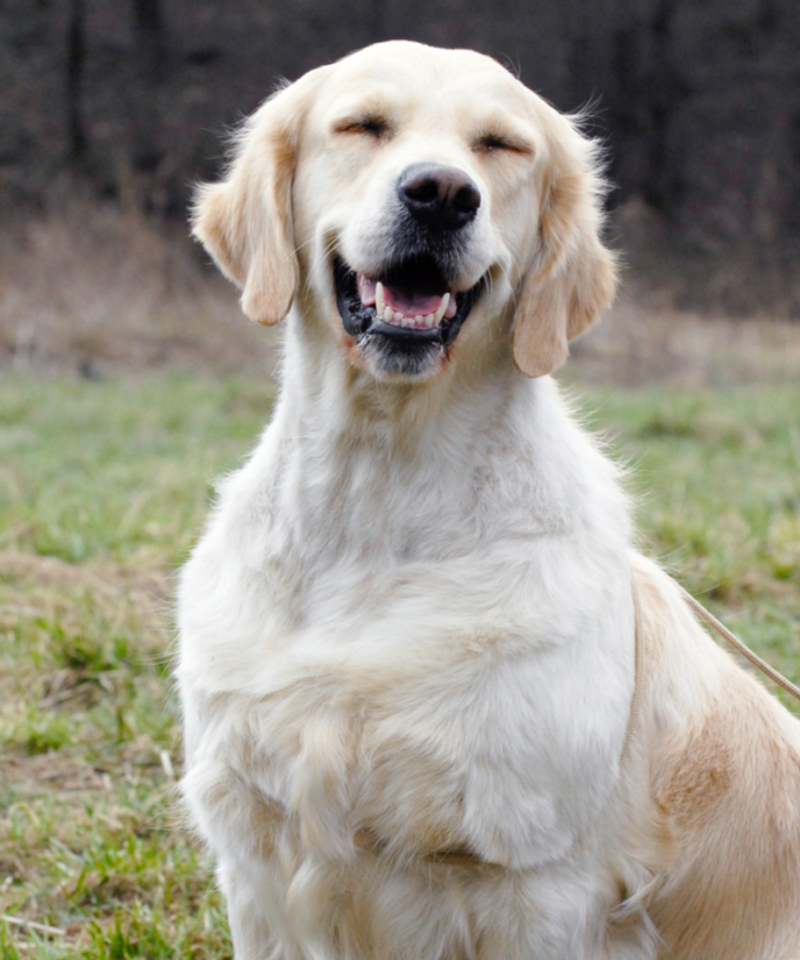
[408,197]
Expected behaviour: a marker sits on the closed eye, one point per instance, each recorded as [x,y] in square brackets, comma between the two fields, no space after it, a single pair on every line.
[370,124]
[490,142]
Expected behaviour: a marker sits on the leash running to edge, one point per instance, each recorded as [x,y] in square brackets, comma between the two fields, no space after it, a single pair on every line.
[719,628]
[711,621]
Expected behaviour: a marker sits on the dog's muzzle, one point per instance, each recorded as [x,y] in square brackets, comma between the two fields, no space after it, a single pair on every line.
[408,314]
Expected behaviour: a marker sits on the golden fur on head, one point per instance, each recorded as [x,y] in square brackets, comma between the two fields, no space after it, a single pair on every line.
[564,277]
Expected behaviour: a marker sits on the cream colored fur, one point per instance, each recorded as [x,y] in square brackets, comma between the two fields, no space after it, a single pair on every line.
[407,635]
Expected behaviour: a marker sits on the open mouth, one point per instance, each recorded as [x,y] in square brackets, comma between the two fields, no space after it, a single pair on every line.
[410,302]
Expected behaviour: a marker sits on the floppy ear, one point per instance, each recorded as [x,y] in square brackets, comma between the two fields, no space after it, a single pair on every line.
[245,222]
[573,278]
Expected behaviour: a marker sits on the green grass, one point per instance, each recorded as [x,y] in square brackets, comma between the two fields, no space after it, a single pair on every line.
[716,477]
[103,488]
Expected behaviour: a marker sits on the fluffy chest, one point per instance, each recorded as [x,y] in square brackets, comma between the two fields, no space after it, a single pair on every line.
[378,774]
[473,695]
[480,739]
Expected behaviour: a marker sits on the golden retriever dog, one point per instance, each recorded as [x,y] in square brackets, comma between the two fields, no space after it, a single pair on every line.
[436,706]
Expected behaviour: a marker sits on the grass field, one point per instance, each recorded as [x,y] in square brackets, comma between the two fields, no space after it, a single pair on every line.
[104,487]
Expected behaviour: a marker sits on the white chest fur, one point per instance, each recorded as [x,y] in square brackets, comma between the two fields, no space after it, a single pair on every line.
[383,658]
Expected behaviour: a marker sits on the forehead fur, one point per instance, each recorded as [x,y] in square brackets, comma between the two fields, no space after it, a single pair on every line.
[399,69]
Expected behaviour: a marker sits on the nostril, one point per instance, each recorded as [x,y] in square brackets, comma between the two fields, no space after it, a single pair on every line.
[467,198]
[422,190]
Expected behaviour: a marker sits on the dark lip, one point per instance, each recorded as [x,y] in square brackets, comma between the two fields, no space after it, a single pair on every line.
[360,321]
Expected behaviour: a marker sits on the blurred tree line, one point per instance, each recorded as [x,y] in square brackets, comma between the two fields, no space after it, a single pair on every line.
[699,100]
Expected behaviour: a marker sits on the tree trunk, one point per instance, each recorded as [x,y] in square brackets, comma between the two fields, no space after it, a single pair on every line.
[147,151]
[76,55]
[149,39]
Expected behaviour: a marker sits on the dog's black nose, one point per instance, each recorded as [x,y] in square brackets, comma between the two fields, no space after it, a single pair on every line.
[439,196]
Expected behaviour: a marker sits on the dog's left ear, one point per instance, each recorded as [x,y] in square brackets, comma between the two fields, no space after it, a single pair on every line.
[245,222]
[574,277]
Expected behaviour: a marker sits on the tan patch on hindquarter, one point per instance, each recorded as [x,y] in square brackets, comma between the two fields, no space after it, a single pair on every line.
[714,781]
[732,800]
[701,775]
[729,794]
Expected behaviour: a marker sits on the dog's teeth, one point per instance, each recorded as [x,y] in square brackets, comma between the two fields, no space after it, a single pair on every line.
[400,319]
[442,308]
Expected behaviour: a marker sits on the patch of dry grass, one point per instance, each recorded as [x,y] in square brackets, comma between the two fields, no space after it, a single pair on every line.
[99,289]
[102,490]
[91,851]
[644,340]
[92,287]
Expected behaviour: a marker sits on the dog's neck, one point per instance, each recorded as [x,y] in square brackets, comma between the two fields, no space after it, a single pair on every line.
[359,490]
[370,469]
[339,403]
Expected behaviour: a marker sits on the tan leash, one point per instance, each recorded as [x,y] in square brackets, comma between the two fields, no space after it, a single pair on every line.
[637,667]
[711,621]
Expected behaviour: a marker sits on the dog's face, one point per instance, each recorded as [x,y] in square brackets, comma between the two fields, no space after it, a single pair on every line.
[409,197]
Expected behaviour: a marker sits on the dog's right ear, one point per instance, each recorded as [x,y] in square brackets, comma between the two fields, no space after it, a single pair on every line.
[245,222]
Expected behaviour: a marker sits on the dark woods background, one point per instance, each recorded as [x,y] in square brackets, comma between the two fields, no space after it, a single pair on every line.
[699,99]
[127,103]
